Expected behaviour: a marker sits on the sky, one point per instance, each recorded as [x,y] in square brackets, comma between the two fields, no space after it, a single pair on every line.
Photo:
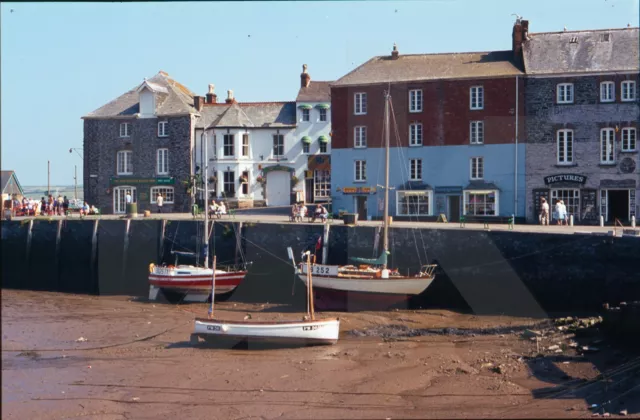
[60,61]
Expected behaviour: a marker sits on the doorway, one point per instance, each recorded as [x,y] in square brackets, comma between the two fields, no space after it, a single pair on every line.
[308,190]
[454,208]
[120,198]
[617,205]
[361,207]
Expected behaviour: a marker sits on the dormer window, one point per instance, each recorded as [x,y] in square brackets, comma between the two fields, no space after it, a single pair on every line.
[147,98]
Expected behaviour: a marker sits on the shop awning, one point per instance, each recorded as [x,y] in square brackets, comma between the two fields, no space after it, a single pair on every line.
[323,139]
[305,106]
[306,140]
[323,106]
[481,185]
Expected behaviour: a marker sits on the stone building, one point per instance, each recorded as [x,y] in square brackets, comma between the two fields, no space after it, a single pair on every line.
[582,111]
[454,136]
[141,143]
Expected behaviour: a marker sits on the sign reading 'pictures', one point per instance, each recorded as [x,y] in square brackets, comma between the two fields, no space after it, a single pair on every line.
[554,179]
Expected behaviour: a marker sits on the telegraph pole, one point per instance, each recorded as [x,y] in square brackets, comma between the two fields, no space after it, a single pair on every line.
[75,178]
[48,177]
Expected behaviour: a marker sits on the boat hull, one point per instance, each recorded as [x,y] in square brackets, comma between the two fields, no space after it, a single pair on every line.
[339,300]
[318,332]
[196,283]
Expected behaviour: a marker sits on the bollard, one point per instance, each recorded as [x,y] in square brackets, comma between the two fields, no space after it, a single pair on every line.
[571,220]
[633,222]
[601,221]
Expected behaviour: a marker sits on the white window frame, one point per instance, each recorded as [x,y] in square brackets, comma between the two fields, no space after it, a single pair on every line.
[162,162]
[607,146]
[567,151]
[326,148]
[416,135]
[278,142]
[478,163]
[465,202]
[323,112]
[415,100]
[415,169]
[422,193]
[476,97]
[122,192]
[127,162]
[563,91]
[360,103]
[321,184]
[232,182]
[476,132]
[360,137]
[124,130]
[572,203]
[226,144]
[607,91]
[629,140]
[360,166]
[163,190]
[245,144]
[630,92]
[305,115]
[162,128]
[306,148]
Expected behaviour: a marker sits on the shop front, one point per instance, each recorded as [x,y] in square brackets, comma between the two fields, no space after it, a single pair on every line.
[143,191]
[572,189]
[481,198]
[361,198]
[318,179]
[448,201]
[618,200]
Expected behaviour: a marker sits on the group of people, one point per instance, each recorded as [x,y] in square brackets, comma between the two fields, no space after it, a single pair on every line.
[559,213]
[47,206]
[299,211]
[217,209]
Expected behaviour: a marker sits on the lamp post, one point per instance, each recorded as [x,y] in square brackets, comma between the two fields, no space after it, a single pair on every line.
[75,170]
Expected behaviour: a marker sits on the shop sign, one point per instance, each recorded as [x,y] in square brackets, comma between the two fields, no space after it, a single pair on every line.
[554,179]
[358,190]
[168,180]
[448,190]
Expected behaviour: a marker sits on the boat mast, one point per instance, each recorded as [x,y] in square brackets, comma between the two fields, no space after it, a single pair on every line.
[205,170]
[385,243]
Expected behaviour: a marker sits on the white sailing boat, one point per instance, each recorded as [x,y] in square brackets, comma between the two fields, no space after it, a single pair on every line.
[308,331]
[370,284]
[191,282]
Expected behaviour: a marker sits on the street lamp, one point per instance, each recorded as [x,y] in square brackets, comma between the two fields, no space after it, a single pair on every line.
[75,170]
[76,150]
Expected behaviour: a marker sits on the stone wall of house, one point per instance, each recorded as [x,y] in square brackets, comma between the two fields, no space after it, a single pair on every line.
[586,116]
[102,142]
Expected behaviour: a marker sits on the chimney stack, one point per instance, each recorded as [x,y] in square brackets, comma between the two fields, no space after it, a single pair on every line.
[230,99]
[395,53]
[305,79]
[518,36]
[212,98]
[198,102]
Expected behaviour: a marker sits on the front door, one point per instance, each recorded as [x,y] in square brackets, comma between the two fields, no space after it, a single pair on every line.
[361,207]
[120,198]
[279,188]
[454,208]
[617,205]
[308,190]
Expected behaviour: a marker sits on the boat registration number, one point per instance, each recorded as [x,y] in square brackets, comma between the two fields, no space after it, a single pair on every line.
[213,328]
[163,270]
[310,327]
[327,270]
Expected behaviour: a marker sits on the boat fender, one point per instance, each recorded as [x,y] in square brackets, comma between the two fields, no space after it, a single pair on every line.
[225,328]
[151,267]
[385,274]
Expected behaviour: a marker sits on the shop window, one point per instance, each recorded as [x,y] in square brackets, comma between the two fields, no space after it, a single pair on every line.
[481,203]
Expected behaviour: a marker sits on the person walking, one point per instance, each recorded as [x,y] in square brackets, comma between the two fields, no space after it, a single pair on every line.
[159,202]
[544,213]
[556,212]
[564,217]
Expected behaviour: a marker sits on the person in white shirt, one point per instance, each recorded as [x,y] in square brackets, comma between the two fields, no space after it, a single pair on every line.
[159,202]
[128,198]
[544,213]
[557,212]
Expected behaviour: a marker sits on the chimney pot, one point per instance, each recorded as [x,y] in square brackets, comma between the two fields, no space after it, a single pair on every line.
[518,36]
[198,102]
[395,53]
[230,99]
[211,88]
[305,78]
[212,98]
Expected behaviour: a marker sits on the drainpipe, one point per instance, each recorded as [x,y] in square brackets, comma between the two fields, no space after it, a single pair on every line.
[515,178]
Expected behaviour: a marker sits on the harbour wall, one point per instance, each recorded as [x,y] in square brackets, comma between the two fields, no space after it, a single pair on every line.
[487,272]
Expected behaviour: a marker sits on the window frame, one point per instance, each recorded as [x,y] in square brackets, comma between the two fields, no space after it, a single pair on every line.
[565,86]
[479,168]
[479,137]
[633,91]
[276,145]
[322,115]
[306,148]
[416,128]
[245,145]
[165,161]
[629,130]
[362,129]
[127,162]
[603,88]
[305,115]
[568,159]
[127,131]
[424,193]
[416,100]
[466,195]
[230,145]
[162,132]
[415,174]
[153,192]
[606,141]
[231,182]
[321,183]
[323,148]
[360,103]
[479,98]
[363,169]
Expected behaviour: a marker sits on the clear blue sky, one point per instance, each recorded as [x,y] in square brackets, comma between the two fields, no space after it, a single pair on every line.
[61,61]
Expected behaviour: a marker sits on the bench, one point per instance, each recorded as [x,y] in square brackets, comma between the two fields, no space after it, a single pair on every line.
[486,220]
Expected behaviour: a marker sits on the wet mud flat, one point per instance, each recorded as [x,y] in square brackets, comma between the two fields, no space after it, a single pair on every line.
[87,357]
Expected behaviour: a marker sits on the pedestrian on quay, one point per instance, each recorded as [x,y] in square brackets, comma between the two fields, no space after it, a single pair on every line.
[128,197]
[159,202]
[544,213]
[556,212]
[564,217]
[65,205]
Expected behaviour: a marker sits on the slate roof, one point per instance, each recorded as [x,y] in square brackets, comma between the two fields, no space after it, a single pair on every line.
[553,52]
[420,67]
[317,91]
[172,98]
[5,176]
[249,114]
